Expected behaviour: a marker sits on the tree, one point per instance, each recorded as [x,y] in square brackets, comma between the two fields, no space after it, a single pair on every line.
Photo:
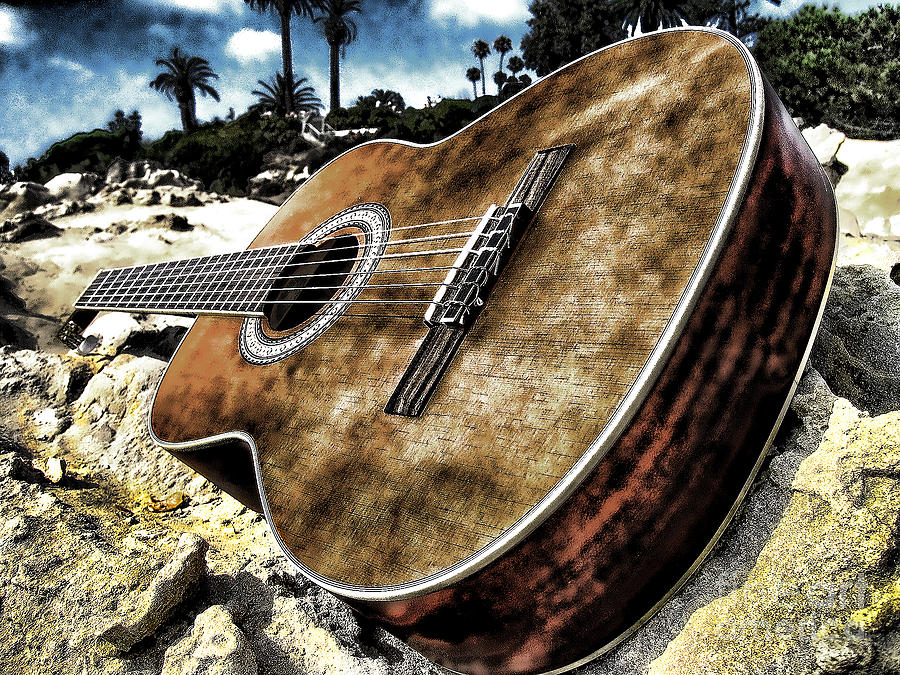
[499,79]
[387,99]
[481,49]
[560,32]
[734,16]
[838,69]
[6,175]
[131,123]
[184,74]
[285,8]
[502,45]
[274,95]
[340,30]
[515,65]
[473,74]
[653,14]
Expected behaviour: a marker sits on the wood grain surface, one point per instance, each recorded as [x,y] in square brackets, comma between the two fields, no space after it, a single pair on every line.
[375,500]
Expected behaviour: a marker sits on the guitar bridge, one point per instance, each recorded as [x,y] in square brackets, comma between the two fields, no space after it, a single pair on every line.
[470,281]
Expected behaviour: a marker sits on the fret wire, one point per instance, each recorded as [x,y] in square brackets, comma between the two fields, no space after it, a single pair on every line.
[261,282]
[96,284]
[206,265]
[126,291]
[114,281]
[202,278]
[207,272]
[198,278]
[168,272]
[149,277]
[236,268]
[240,297]
[236,272]
[223,275]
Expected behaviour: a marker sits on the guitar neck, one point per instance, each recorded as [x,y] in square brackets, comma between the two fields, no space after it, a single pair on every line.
[231,283]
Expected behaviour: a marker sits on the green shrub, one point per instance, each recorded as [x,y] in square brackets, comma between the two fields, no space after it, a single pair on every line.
[842,70]
[89,151]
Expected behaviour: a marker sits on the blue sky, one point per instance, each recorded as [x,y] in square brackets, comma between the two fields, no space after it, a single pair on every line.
[67,66]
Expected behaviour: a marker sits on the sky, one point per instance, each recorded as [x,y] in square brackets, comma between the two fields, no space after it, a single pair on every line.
[67,65]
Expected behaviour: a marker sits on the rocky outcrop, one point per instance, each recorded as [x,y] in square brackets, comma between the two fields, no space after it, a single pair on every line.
[178,580]
[282,175]
[72,186]
[21,197]
[858,345]
[27,226]
[811,600]
[215,646]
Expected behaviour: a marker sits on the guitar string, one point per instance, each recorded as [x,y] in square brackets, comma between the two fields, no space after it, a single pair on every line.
[401,270]
[276,246]
[216,265]
[237,289]
[157,296]
[113,303]
[106,283]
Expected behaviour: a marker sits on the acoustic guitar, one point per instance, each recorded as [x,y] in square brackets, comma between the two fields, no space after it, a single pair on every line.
[502,393]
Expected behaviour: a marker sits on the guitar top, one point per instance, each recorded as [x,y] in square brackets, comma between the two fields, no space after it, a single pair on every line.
[501,393]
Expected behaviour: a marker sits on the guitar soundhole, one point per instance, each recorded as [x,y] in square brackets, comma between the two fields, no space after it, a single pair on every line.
[314,276]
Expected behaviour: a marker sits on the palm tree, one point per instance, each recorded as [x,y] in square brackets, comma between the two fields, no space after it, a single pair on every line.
[499,80]
[340,31]
[480,49]
[285,8]
[473,75]
[515,65]
[502,45]
[653,14]
[272,96]
[389,99]
[185,73]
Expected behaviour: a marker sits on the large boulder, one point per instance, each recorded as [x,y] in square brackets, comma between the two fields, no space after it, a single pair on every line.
[823,591]
[857,349]
[72,185]
[25,226]
[21,197]
[144,175]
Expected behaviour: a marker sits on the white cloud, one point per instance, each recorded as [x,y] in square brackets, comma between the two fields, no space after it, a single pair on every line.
[473,12]
[206,6]
[253,45]
[12,30]
[81,72]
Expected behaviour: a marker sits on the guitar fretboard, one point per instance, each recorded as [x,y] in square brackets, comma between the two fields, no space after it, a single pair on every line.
[231,283]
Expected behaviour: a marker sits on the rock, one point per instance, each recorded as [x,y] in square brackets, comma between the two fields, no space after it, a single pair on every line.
[837,654]
[121,198]
[283,175]
[120,170]
[869,190]
[817,570]
[56,470]
[178,580]
[177,223]
[72,185]
[824,141]
[21,197]
[215,646]
[857,349]
[27,226]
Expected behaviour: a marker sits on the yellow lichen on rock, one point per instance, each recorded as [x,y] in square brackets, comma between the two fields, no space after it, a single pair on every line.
[822,564]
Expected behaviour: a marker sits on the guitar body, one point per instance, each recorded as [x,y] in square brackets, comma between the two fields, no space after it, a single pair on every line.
[609,407]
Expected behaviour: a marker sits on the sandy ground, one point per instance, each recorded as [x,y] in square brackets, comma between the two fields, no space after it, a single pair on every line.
[50,274]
